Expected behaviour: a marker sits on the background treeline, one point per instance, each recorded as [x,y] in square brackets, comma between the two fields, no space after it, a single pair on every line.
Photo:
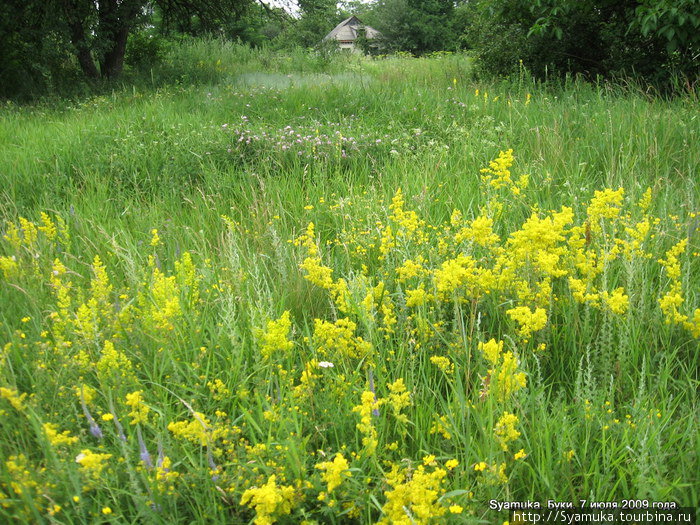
[63,46]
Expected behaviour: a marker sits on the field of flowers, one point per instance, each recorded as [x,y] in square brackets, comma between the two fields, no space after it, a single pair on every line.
[381,293]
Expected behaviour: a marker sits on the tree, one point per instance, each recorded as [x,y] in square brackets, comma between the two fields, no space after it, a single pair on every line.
[318,17]
[96,32]
[651,39]
[416,26]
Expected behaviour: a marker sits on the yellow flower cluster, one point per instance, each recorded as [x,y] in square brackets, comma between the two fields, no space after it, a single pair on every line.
[410,269]
[319,274]
[398,399]
[443,363]
[540,242]
[673,299]
[276,337]
[13,397]
[9,266]
[414,496]
[529,320]
[307,380]
[505,429]
[456,273]
[114,364]
[269,501]
[617,301]
[409,226]
[165,476]
[440,426]
[492,474]
[503,379]
[92,463]
[339,339]
[198,430]
[139,410]
[57,438]
[378,300]
[369,404]
[498,172]
[188,279]
[20,471]
[479,231]
[334,472]
[219,390]
[605,204]
[163,307]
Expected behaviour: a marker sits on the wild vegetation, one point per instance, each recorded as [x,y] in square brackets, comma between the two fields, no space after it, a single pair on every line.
[71,47]
[280,288]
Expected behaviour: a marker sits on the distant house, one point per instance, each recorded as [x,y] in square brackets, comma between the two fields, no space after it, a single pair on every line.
[349,30]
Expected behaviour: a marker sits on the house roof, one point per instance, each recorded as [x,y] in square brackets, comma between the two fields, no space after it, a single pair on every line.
[348,30]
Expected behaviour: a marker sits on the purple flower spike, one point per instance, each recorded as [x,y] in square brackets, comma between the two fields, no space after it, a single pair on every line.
[143,451]
[95,429]
[212,466]
[120,429]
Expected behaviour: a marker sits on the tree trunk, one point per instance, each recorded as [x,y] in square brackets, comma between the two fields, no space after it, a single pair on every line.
[85,61]
[113,61]
[79,41]
[115,20]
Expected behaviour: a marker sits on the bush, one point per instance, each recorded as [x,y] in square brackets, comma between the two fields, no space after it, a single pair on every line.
[145,50]
[594,38]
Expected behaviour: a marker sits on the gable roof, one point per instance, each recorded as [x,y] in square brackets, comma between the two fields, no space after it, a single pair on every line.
[348,30]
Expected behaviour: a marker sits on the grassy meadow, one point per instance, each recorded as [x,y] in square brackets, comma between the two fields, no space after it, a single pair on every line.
[258,288]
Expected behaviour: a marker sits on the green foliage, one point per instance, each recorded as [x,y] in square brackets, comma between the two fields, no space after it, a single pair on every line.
[145,49]
[318,17]
[678,22]
[414,26]
[35,56]
[46,43]
[593,37]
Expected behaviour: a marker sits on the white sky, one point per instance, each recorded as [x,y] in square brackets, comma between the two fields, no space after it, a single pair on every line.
[291,6]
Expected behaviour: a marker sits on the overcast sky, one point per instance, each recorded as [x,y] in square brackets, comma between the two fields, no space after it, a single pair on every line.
[291,6]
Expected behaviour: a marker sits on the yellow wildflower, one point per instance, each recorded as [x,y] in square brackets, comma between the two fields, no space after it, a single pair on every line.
[92,463]
[414,496]
[155,238]
[617,301]
[443,363]
[505,429]
[269,501]
[529,320]
[498,172]
[338,338]
[369,404]
[56,438]
[13,396]
[479,231]
[399,398]
[491,350]
[604,205]
[520,454]
[276,337]
[113,363]
[139,410]
[334,471]
[198,430]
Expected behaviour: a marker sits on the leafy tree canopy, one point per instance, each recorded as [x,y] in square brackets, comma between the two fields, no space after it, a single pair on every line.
[39,37]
